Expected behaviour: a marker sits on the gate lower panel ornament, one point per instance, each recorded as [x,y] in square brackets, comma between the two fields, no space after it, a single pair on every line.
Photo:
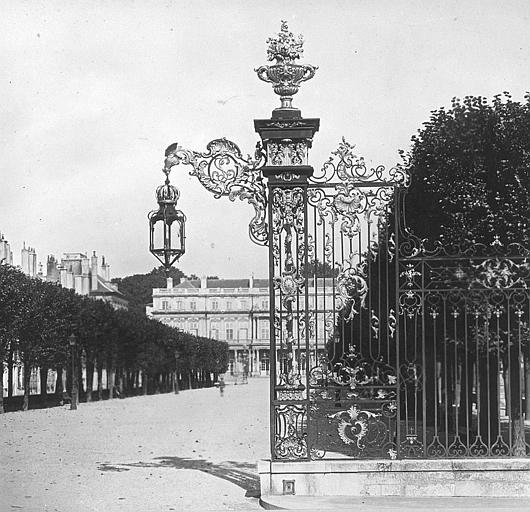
[291,432]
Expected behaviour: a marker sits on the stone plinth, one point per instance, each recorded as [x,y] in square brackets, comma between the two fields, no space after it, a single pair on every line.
[405,478]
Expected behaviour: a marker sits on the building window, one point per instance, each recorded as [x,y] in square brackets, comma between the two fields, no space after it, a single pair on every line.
[164,304]
[228,304]
[214,334]
[265,304]
[243,335]
[193,306]
[179,304]
[229,333]
[243,305]
[264,333]
[194,328]
[215,305]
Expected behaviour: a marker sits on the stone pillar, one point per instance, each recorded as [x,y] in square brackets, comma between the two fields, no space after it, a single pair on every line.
[286,139]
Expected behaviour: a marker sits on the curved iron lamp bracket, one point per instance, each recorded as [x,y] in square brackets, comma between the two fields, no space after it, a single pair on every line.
[224,171]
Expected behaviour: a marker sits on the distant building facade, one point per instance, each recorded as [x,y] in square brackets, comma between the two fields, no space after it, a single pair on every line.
[232,310]
[86,276]
[6,255]
[28,261]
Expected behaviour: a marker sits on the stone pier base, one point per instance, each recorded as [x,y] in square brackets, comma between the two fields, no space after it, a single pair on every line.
[405,478]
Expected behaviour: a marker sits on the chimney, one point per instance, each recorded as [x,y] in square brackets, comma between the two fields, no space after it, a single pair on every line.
[62,276]
[78,284]
[251,281]
[94,272]
[85,266]
[169,284]
[204,282]
[105,269]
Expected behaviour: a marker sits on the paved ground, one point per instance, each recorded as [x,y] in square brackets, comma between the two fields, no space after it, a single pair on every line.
[192,451]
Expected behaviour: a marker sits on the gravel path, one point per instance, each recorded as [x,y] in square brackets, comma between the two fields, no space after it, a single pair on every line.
[192,451]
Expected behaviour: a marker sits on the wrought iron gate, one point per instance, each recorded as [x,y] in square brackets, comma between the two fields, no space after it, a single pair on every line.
[386,348]
[381,347]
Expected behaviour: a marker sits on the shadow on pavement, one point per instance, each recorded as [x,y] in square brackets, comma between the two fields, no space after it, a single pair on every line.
[241,474]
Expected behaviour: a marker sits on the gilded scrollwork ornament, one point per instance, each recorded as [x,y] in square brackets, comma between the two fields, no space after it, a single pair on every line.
[223,170]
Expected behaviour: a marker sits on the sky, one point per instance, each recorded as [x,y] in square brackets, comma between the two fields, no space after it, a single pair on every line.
[93,92]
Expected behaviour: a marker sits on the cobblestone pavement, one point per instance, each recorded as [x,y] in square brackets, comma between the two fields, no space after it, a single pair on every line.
[192,451]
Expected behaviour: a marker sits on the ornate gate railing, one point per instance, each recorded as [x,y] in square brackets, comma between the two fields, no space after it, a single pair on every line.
[464,349]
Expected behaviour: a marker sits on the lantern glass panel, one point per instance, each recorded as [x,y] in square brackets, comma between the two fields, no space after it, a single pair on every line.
[158,235]
[176,235]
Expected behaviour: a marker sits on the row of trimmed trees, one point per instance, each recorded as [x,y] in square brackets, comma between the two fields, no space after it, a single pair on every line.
[37,318]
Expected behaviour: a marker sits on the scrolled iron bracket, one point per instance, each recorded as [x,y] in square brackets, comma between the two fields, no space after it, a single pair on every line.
[224,171]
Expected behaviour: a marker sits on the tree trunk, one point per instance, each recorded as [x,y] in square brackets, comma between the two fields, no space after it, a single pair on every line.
[2,399]
[120,383]
[59,383]
[10,374]
[111,377]
[189,380]
[100,380]
[144,382]
[489,399]
[68,371]
[89,379]
[43,374]
[466,392]
[27,378]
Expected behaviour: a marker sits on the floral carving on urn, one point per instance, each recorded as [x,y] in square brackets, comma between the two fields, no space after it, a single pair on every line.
[285,76]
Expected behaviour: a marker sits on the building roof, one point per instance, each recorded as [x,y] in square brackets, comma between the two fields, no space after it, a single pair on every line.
[106,288]
[240,283]
[223,283]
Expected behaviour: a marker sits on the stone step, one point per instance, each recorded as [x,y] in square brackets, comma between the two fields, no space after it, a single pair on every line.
[410,478]
[394,504]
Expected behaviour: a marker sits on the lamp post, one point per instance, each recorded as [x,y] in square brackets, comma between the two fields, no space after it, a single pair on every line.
[166,225]
[73,349]
[177,372]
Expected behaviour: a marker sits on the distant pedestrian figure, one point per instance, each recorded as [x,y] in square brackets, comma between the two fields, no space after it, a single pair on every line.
[221,385]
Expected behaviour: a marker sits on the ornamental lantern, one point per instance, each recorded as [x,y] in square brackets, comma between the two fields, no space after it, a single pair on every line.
[166,226]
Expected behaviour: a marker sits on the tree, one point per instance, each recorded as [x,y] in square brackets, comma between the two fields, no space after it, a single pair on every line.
[470,172]
[138,288]
[10,301]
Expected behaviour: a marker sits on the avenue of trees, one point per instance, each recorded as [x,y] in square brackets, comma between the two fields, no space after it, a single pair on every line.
[37,318]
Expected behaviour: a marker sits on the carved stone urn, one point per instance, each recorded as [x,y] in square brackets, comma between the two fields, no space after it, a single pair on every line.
[285,76]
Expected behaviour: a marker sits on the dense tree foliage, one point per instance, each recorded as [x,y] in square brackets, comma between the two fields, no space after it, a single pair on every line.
[138,288]
[37,318]
[470,172]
